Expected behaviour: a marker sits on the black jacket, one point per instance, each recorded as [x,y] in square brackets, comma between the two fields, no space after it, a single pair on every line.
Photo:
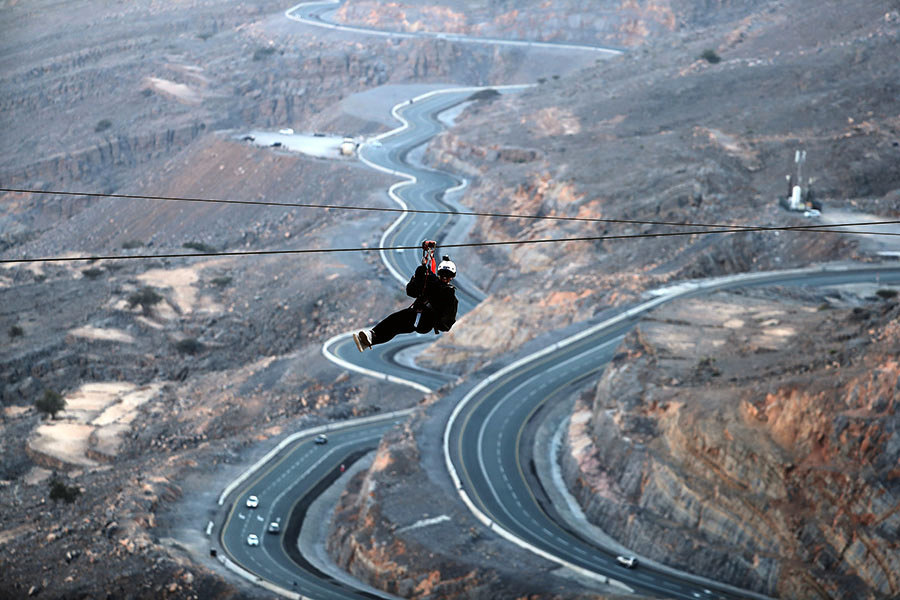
[433,294]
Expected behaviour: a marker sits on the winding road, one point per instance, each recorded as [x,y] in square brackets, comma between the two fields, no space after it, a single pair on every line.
[483,445]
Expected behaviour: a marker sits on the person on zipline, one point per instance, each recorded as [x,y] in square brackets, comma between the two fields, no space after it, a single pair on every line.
[434,308]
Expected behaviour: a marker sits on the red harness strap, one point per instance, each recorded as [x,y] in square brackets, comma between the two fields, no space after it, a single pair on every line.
[428,247]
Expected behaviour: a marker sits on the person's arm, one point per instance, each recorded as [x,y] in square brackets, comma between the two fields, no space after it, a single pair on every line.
[416,282]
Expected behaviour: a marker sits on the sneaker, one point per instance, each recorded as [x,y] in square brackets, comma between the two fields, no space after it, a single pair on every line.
[358,342]
[363,340]
[367,338]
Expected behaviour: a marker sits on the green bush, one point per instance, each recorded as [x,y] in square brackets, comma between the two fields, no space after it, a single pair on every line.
[50,403]
[132,244]
[886,294]
[220,281]
[199,246]
[146,297]
[15,331]
[711,56]
[103,125]
[189,346]
[61,491]
[92,273]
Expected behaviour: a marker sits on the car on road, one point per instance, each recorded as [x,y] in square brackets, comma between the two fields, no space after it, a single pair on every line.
[274,527]
[252,502]
[321,439]
[629,562]
[253,540]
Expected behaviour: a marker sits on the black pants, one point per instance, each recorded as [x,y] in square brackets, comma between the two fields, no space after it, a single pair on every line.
[403,321]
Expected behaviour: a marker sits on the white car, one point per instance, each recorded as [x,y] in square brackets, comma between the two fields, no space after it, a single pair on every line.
[252,502]
[629,562]
[253,540]
[274,527]
[321,439]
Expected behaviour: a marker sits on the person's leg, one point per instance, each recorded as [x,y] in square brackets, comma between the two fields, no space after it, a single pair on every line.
[399,322]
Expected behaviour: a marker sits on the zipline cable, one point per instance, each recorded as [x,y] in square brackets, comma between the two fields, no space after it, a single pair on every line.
[465,245]
[429,212]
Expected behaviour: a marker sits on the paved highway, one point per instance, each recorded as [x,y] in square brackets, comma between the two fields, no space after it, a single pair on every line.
[285,483]
[315,13]
[287,480]
[422,189]
[482,441]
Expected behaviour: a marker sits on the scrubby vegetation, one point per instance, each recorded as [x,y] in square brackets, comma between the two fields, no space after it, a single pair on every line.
[50,403]
[146,298]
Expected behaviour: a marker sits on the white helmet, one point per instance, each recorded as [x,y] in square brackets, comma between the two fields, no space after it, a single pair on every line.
[446,268]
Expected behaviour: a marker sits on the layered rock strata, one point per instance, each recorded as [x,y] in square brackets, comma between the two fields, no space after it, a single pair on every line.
[753,439]
[401,528]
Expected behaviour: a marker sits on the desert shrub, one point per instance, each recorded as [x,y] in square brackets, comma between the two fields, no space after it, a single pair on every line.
[92,273]
[15,331]
[711,56]
[132,244]
[487,94]
[50,403]
[886,294]
[146,297]
[264,52]
[189,346]
[221,281]
[707,365]
[102,125]
[199,246]
[61,491]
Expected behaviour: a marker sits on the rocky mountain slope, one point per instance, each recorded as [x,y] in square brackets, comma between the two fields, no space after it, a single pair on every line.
[169,398]
[663,134]
[726,439]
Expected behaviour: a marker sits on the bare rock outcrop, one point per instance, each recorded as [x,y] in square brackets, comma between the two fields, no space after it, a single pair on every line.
[386,523]
[617,23]
[753,439]
[661,135]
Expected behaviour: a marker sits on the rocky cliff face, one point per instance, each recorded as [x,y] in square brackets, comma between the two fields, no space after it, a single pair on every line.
[662,135]
[752,438]
[606,22]
[389,519]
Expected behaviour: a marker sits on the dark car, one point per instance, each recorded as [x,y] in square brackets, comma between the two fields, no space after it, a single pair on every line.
[321,439]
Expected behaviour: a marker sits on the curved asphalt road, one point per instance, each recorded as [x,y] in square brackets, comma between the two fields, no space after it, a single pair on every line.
[482,440]
[290,476]
[423,189]
[313,13]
